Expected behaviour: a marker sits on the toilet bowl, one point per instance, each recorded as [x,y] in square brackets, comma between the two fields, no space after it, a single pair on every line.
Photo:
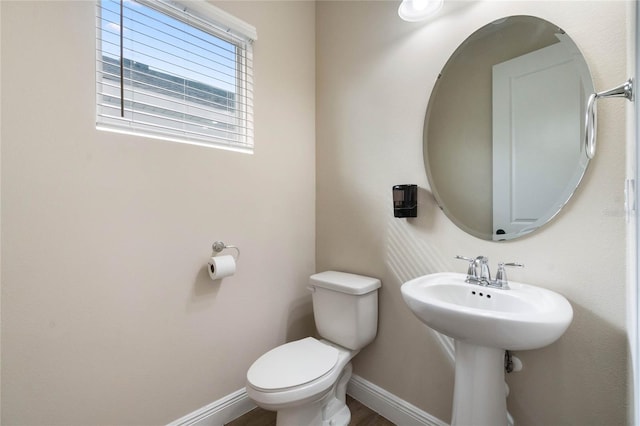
[299,378]
[305,381]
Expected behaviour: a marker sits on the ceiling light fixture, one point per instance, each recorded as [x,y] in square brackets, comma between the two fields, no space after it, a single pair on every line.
[418,10]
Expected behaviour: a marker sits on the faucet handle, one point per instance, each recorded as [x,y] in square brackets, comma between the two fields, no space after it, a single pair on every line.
[501,275]
[468,259]
[511,265]
[471,270]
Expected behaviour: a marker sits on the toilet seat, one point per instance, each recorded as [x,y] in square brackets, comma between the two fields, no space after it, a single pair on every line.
[292,365]
[265,391]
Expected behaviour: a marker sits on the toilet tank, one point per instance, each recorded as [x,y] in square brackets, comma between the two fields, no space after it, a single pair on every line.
[345,308]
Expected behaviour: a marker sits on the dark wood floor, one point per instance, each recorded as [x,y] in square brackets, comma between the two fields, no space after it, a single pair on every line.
[360,416]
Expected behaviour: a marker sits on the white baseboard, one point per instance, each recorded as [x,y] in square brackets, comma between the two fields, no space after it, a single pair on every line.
[379,400]
[219,412]
[388,405]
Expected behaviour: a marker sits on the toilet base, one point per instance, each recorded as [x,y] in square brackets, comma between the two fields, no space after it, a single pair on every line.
[341,416]
[306,414]
[329,410]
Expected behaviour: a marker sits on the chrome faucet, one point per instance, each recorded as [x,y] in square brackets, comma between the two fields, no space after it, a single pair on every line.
[485,274]
[479,273]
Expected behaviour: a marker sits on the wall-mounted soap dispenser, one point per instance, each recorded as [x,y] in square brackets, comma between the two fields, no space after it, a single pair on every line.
[405,200]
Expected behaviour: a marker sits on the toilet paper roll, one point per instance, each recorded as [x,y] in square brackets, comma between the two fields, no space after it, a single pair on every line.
[221,266]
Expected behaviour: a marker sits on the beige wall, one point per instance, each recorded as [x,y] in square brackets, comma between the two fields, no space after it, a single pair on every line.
[374,76]
[108,315]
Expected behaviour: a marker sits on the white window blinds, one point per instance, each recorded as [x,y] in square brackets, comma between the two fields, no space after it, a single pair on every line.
[174,72]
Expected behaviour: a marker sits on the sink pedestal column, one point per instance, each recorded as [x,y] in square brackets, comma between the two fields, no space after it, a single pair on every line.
[480,395]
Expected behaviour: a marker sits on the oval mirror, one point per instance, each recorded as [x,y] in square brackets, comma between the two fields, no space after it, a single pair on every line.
[504,128]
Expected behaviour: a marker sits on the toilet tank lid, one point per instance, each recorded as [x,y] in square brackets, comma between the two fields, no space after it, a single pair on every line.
[345,282]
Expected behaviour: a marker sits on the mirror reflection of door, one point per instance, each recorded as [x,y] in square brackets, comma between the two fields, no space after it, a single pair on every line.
[537,101]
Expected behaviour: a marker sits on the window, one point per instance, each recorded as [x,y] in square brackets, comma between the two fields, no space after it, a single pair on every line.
[174,72]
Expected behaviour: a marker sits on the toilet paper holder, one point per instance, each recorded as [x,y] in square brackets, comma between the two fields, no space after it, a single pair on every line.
[218,246]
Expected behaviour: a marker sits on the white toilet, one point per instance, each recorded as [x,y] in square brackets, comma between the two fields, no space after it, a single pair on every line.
[306,381]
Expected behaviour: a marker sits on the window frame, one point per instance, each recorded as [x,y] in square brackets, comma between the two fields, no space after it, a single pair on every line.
[205,17]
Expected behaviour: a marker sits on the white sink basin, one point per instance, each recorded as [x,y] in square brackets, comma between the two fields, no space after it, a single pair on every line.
[523,317]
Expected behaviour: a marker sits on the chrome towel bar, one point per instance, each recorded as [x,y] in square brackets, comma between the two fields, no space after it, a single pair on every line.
[625,90]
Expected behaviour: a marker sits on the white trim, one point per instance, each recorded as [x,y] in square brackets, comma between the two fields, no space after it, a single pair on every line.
[633,227]
[219,412]
[205,11]
[388,405]
[158,136]
[377,399]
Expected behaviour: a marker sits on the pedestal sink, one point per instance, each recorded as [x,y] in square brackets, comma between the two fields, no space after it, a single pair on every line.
[485,322]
